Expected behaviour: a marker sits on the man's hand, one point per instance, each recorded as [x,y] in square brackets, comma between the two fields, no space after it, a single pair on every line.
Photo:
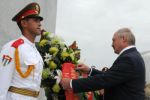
[83,68]
[65,82]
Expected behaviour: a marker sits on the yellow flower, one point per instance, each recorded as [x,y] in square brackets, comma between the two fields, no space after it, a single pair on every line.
[43,42]
[46,33]
[55,41]
[45,73]
[77,52]
[53,50]
[64,54]
[72,56]
[56,88]
[52,65]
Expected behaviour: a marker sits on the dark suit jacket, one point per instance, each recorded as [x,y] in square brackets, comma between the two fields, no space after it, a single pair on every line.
[125,80]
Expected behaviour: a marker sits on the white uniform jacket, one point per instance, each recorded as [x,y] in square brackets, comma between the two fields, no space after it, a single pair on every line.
[28,55]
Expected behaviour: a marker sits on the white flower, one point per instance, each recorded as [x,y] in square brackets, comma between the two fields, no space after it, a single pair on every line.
[51,35]
[62,45]
[54,36]
[64,49]
[60,38]
[47,57]
[59,76]
[52,73]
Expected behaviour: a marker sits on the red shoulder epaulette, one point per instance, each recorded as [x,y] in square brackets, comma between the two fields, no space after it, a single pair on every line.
[17,43]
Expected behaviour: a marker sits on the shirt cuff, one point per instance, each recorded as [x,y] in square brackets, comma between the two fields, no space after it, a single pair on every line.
[90,72]
[88,75]
[71,83]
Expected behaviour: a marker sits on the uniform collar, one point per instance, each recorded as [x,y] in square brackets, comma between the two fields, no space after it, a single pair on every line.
[129,47]
[27,41]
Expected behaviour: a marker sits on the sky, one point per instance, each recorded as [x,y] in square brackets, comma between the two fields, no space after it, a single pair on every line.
[92,24]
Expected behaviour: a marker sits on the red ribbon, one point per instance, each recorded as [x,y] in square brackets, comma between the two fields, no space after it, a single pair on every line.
[68,71]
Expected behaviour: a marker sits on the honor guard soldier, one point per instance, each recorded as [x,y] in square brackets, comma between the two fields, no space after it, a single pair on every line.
[21,64]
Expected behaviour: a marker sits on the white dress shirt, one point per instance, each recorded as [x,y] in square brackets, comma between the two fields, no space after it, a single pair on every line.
[129,47]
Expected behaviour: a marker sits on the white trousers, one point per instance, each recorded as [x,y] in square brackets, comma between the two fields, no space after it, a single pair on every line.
[15,96]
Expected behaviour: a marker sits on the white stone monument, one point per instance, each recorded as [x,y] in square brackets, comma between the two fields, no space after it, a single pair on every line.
[146,57]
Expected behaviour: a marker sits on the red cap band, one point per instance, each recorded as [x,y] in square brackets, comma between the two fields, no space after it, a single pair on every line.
[27,13]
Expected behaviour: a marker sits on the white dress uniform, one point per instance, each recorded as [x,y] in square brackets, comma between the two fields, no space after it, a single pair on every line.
[9,76]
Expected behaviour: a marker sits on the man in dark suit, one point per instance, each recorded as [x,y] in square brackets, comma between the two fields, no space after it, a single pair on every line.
[125,80]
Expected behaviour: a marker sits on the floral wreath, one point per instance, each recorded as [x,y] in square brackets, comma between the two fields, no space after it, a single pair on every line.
[54,53]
